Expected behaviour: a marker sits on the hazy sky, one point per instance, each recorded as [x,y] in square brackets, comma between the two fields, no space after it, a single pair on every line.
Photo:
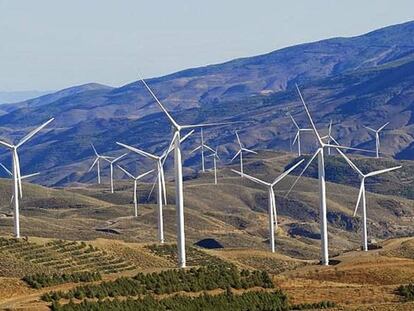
[49,44]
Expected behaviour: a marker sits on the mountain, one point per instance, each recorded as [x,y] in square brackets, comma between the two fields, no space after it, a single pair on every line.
[18,96]
[363,80]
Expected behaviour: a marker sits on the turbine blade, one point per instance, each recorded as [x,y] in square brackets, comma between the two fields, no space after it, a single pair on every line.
[195,149]
[126,172]
[30,175]
[303,171]
[7,145]
[164,189]
[284,174]
[361,189]
[143,175]
[186,136]
[19,177]
[193,126]
[119,158]
[351,164]
[296,138]
[94,150]
[294,122]
[238,139]
[370,128]
[93,164]
[382,171]
[382,127]
[235,156]
[309,116]
[6,169]
[253,179]
[175,124]
[153,187]
[170,148]
[34,132]
[348,148]
[209,148]
[139,151]
[248,150]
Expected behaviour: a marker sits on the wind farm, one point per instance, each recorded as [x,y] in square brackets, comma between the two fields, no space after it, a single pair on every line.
[282,181]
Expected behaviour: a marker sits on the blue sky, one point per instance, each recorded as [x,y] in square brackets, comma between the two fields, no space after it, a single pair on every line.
[49,44]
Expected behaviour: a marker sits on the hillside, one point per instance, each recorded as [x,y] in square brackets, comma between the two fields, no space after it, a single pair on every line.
[238,221]
[364,80]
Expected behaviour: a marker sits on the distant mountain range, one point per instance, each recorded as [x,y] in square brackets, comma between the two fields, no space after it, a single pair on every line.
[18,96]
[364,80]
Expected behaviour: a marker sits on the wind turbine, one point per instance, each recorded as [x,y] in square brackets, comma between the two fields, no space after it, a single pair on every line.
[240,153]
[297,136]
[135,178]
[321,180]
[17,178]
[272,202]
[96,162]
[111,162]
[179,195]
[377,138]
[162,192]
[201,147]
[362,194]
[215,157]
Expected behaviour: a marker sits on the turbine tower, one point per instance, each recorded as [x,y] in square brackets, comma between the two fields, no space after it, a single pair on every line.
[272,202]
[215,157]
[377,138]
[362,194]
[321,180]
[135,178]
[96,162]
[17,178]
[179,195]
[297,136]
[240,153]
[111,162]
[22,177]
[201,147]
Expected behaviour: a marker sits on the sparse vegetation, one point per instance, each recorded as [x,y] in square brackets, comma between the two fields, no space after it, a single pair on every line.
[259,301]
[65,257]
[40,280]
[170,281]
[406,291]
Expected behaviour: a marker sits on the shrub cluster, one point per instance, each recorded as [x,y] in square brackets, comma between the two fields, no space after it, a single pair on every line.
[258,301]
[406,291]
[170,281]
[40,280]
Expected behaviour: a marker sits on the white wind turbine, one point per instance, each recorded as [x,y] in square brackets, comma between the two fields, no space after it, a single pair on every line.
[161,191]
[272,202]
[202,147]
[215,157]
[112,161]
[362,195]
[377,138]
[96,162]
[322,184]
[17,178]
[179,195]
[297,136]
[240,153]
[135,178]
